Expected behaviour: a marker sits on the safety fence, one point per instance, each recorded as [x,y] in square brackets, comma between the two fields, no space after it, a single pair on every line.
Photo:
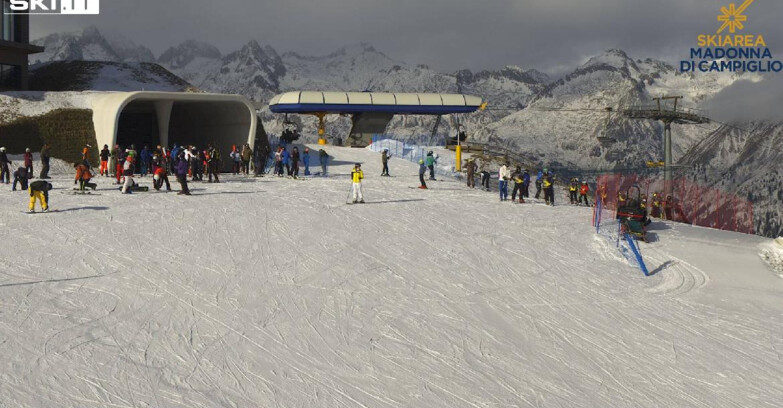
[444,166]
[688,202]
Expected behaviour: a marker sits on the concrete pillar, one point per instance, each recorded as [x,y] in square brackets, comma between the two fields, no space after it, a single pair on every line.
[163,111]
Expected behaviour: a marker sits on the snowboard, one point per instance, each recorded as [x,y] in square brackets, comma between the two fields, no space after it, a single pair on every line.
[77,192]
[135,189]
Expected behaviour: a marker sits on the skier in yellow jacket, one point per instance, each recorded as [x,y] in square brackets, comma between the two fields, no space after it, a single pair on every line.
[356,191]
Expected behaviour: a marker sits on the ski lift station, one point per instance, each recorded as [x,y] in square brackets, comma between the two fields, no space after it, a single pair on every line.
[167,118]
[371,112]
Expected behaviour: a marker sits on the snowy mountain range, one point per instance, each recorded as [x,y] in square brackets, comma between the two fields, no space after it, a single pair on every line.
[554,122]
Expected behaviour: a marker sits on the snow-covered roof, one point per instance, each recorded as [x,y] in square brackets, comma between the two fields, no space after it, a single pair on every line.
[355,102]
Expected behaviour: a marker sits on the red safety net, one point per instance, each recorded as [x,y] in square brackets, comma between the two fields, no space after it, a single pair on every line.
[689,203]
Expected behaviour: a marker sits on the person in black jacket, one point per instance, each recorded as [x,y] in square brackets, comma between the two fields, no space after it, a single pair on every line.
[45,161]
[20,176]
[105,153]
[385,161]
[39,190]
[5,173]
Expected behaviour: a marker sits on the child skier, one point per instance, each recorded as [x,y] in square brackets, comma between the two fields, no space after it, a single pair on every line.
[422,171]
[28,161]
[356,191]
[572,189]
[39,190]
[583,190]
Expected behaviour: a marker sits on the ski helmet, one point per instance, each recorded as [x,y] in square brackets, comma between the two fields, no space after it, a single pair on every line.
[421,161]
[2,149]
[27,150]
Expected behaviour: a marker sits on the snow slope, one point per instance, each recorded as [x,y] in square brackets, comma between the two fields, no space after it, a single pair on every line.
[273,292]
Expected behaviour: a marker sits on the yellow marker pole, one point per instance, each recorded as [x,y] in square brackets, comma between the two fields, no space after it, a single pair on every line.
[321,130]
[459,157]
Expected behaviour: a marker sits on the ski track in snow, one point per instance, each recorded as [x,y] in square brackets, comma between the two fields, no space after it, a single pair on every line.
[275,293]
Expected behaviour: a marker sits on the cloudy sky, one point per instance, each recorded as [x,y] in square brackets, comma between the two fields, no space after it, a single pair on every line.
[551,35]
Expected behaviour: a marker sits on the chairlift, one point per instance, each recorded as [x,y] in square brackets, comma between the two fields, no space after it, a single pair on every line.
[290,130]
[603,137]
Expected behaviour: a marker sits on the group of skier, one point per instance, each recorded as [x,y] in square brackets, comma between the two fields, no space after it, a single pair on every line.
[655,206]
[288,163]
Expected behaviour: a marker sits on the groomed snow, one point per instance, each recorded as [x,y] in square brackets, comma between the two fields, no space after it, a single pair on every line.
[274,292]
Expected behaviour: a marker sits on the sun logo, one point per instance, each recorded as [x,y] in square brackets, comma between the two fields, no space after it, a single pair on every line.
[732,17]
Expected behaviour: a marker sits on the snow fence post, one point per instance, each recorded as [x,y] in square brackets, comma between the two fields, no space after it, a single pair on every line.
[637,254]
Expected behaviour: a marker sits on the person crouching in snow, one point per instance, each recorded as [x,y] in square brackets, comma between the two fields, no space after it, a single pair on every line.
[127,171]
[422,172]
[159,177]
[357,176]
[39,190]
[83,176]
[20,176]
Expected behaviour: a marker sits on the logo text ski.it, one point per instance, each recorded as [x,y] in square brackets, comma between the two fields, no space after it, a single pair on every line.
[55,7]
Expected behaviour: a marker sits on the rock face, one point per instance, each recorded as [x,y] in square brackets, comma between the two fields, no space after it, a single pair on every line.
[552,122]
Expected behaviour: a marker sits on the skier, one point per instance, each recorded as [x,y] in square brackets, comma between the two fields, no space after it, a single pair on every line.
[197,164]
[668,203]
[159,177]
[422,172]
[572,189]
[28,161]
[286,161]
[236,159]
[279,162]
[214,164]
[5,173]
[323,158]
[656,206]
[643,203]
[120,163]
[145,156]
[385,156]
[471,173]
[86,155]
[114,157]
[518,185]
[583,190]
[39,190]
[431,164]
[503,176]
[83,176]
[356,190]
[128,170]
[526,184]
[484,175]
[539,181]
[247,154]
[182,174]
[20,176]
[105,153]
[44,161]
[306,160]
[295,162]
[549,188]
